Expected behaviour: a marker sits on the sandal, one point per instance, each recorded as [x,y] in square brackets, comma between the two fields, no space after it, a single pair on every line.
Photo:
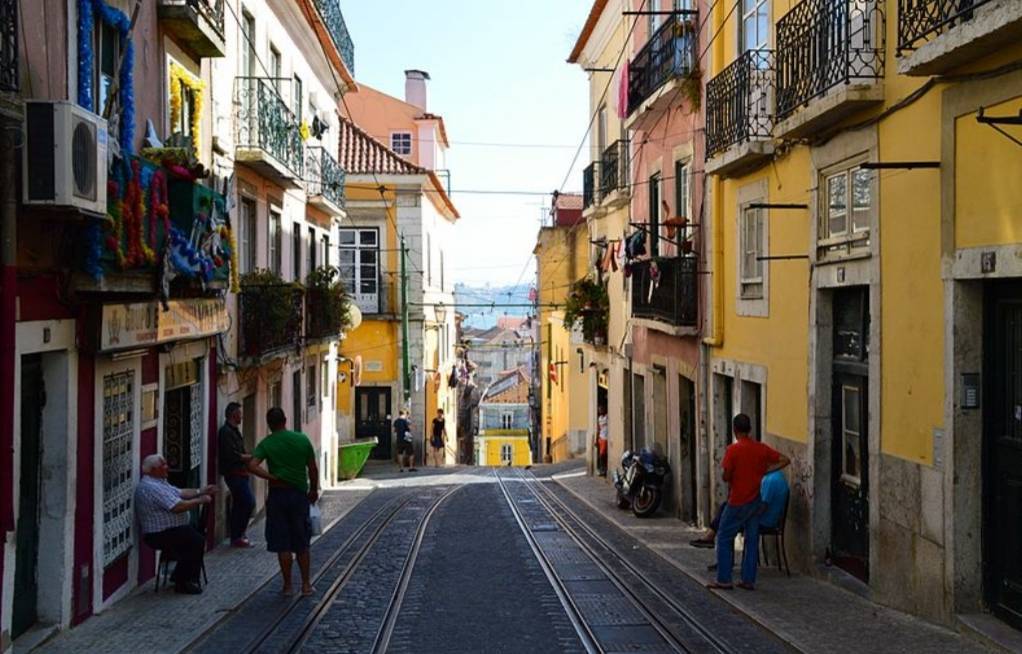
[714,585]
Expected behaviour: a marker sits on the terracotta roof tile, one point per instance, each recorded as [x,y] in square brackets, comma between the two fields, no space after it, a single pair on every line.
[361,154]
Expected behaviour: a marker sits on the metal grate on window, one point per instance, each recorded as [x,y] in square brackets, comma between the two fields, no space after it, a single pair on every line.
[118,458]
[195,426]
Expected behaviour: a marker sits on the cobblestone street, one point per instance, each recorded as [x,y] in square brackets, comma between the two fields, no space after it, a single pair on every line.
[476,559]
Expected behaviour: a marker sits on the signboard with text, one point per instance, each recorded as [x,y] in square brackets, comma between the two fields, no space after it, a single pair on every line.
[141,324]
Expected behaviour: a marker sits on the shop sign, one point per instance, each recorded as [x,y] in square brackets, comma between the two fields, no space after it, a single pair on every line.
[141,324]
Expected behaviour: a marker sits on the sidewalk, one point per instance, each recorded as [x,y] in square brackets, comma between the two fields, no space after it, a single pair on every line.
[811,615]
[165,622]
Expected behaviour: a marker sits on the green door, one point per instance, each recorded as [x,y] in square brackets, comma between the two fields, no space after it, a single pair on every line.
[26,578]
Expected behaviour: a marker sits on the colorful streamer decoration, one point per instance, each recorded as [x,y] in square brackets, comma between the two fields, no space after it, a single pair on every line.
[180,79]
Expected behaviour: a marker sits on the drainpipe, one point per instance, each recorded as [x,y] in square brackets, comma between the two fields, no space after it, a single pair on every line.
[8,293]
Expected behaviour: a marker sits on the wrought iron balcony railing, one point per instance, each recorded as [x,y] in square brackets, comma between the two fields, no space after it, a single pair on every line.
[271,318]
[212,11]
[670,52]
[824,43]
[614,168]
[324,177]
[671,295]
[922,20]
[330,10]
[589,189]
[264,122]
[739,102]
[9,46]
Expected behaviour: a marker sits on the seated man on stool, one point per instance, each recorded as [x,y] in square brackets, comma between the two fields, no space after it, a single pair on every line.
[162,512]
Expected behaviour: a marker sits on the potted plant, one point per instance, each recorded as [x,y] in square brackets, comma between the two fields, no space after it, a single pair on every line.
[588,306]
[327,302]
[270,312]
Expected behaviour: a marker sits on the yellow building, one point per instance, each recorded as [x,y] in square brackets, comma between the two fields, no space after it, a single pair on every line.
[866,221]
[562,255]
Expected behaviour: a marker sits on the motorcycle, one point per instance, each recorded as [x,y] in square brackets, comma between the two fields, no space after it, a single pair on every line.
[640,484]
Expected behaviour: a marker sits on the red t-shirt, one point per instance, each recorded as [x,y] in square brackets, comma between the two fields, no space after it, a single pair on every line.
[747,461]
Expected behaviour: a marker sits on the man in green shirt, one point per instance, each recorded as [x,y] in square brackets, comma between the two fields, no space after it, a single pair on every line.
[294,486]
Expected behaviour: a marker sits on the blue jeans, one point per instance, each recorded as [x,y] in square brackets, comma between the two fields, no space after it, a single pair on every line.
[242,505]
[738,518]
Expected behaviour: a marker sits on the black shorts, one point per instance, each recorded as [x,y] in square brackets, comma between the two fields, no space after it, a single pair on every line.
[436,445]
[404,447]
[288,528]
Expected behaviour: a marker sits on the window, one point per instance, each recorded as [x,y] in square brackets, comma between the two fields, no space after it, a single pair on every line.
[655,20]
[324,379]
[183,126]
[276,66]
[298,100]
[506,453]
[755,26]
[429,260]
[312,249]
[326,249]
[118,464]
[311,397]
[654,215]
[506,420]
[441,270]
[107,49]
[276,393]
[851,417]
[296,251]
[752,248]
[247,244]
[601,131]
[248,57]
[276,242]
[682,206]
[401,143]
[359,267]
[849,204]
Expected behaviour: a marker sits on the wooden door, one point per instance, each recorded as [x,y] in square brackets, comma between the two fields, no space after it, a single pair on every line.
[373,419]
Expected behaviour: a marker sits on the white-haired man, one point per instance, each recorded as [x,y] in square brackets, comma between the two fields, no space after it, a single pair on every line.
[162,512]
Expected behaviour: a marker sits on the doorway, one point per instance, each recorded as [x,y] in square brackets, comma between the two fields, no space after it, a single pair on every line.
[182,441]
[849,443]
[1002,452]
[687,448]
[752,406]
[372,419]
[26,574]
[296,400]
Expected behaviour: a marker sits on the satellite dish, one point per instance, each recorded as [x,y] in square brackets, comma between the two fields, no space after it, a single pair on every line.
[354,316]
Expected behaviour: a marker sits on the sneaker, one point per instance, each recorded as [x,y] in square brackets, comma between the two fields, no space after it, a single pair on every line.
[413,470]
[702,542]
[242,543]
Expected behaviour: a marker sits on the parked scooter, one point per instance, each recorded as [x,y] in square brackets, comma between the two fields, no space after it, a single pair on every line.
[640,484]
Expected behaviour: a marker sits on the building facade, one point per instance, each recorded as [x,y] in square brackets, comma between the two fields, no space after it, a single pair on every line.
[505,422]
[122,280]
[401,222]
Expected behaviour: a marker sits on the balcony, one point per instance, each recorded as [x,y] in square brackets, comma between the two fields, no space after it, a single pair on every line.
[936,36]
[321,320]
[9,81]
[324,180]
[740,115]
[674,301]
[267,137]
[589,190]
[271,319]
[196,25]
[330,11]
[614,175]
[830,63]
[667,62]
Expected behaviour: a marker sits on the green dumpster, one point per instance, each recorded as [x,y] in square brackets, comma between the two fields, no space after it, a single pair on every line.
[353,456]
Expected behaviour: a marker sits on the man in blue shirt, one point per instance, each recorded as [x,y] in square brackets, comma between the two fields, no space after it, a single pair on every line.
[773,493]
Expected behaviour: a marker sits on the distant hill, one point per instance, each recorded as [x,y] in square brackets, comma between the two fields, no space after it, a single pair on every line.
[484,317]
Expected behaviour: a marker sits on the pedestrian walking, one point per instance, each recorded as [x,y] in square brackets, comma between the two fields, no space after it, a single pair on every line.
[294,487]
[234,469]
[163,514]
[438,438]
[405,449]
[745,463]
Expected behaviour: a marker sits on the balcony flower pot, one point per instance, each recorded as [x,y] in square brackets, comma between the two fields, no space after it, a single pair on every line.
[327,303]
[588,307]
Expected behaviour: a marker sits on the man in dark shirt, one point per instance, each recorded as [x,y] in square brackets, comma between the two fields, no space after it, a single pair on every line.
[233,466]
[403,435]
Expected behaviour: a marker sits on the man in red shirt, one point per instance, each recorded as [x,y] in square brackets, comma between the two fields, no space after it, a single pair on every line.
[745,463]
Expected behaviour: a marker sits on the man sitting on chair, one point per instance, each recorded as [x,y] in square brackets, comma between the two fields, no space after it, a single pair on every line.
[162,512]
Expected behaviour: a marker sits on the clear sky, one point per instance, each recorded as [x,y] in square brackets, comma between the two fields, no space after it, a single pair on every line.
[498,76]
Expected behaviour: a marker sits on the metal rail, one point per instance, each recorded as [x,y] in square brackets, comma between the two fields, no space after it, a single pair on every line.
[585,634]
[391,509]
[394,609]
[715,643]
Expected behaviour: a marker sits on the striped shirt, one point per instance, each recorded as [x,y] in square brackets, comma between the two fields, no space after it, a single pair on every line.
[154,499]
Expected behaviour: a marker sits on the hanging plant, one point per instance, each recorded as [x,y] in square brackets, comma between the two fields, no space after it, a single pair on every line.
[588,306]
[692,87]
[181,78]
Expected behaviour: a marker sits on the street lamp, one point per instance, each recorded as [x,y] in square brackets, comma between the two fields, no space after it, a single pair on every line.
[440,311]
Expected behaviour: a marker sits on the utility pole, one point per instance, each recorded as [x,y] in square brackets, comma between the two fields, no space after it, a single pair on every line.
[404,322]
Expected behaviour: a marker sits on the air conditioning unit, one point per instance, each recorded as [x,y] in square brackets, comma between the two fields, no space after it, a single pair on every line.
[64,158]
